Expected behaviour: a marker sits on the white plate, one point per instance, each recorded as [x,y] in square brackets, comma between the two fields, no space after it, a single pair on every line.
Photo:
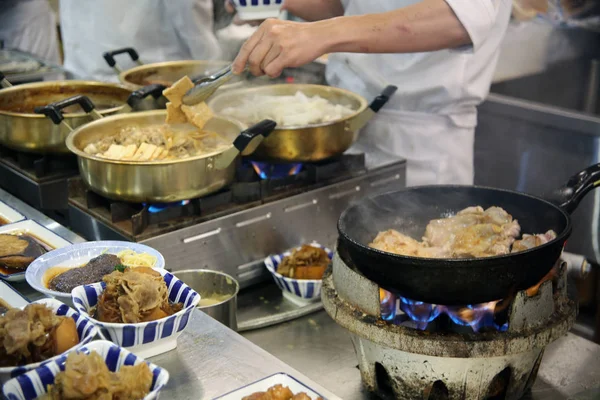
[49,238]
[9,214]
[268,382]
[11,297]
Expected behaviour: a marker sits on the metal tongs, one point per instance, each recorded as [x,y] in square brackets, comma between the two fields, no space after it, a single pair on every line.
[205,87]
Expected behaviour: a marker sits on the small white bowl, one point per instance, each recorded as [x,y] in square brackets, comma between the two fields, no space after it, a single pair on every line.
[76,255]
[145,339]
[85,328]
[35,383]
[250,10]
[298,291]
[266,383]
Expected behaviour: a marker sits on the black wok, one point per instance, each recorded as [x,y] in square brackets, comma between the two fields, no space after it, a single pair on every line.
[458,281]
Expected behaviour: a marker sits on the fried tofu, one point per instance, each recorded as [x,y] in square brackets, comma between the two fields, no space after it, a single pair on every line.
[175,115]
[198,114]
[176,92]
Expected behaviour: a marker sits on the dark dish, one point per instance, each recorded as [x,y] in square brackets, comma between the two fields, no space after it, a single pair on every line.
[307,262]
[34,334]
[18,251]
[92,272]
[87,377]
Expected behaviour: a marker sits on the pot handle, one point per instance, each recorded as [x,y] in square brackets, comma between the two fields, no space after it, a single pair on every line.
[569,196]
[246,142]
[53,110]
[155,90]
[4,83]
[361,120]
[109,57]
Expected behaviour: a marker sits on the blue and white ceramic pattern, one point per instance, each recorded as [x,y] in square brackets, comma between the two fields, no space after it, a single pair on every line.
[301,289]
[76,255]
[85,328]
[146,339]
[258,9]
[35,383]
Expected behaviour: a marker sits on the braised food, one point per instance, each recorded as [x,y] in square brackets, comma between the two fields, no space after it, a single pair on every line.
[92,272]
[34,334]
[136,295]
[471,233]
[308,262]
[279,392]
[18,251]
[86,377]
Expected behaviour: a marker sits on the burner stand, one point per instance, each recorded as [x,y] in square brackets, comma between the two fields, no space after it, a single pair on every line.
[405,363]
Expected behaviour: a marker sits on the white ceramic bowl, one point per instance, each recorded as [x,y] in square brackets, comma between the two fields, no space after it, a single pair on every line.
[249,10]
[35,383]
[266,383]
[299,291]
[85,328]
[76,255]
[145,339]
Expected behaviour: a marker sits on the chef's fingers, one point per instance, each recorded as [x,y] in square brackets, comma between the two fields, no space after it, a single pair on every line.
[275,67]
[273,53]
[256,58]
[242,58]
[229,6]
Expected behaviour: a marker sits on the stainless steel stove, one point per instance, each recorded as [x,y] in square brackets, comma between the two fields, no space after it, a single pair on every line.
[408,349]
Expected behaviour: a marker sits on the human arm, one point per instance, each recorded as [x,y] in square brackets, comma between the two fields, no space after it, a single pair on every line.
[314,10]
[425,26]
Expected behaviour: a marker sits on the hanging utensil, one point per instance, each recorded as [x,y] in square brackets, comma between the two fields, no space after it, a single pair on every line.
[205,87]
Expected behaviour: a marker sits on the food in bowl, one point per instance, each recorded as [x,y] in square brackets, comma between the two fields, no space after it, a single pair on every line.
[34,334]
[279,392]
[17,251]
[135,295]
[4,306]
[307,262]
[86,376]
[288,111]
[471,233]
[65,279]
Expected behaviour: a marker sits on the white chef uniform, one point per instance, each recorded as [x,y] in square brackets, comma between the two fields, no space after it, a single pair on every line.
[30,26]
[431,119]
[159,30]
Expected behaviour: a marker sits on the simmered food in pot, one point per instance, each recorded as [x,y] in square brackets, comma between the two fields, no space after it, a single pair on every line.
[34,334]
[86,377]
[18,251]
[279,392]
[136,295]
[287,111]
[307,262]
[471,233]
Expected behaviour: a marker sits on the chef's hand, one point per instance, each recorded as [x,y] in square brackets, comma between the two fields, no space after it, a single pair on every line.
[281,44]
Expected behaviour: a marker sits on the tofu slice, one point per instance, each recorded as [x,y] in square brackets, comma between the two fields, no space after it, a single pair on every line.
[114,152]
[129,152]
[157,153]
[177,90]
[144,152]
[175,115]
[198,114]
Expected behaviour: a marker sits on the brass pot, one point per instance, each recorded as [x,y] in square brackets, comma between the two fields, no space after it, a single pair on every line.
[308,143]
[161,181]
[21,129]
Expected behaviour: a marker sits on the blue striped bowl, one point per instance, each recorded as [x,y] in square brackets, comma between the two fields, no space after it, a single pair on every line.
[145,339]
[249,10]
[296,290]
[85,328]
[35,383]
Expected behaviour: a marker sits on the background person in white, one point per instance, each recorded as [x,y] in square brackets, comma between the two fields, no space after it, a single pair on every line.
[440,53]
[159,30]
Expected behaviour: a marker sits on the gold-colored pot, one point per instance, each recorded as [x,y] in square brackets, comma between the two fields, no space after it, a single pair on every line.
[21,129]
[155,181]
[309,143]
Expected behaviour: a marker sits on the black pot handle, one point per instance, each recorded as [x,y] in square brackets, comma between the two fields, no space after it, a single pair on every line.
[155,90]
[383,98]
[4,83]
[569,196]
[53,110]
[109,56]
[246,142]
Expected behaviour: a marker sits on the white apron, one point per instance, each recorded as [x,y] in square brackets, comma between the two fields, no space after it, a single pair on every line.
[430,122]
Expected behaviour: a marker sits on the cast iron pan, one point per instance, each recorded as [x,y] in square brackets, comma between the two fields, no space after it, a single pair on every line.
[459,281]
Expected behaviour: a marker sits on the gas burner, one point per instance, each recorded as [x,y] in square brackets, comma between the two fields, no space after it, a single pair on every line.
[275,171]
[409,349]
[39,166]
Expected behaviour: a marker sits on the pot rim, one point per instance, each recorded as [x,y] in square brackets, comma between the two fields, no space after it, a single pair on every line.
[210,271]
[124,75]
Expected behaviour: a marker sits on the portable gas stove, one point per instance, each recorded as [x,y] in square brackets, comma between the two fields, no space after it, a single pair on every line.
[268,209]
[407,349]
[38,179]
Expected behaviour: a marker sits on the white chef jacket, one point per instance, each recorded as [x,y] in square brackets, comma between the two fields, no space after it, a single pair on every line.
[431,119]
[159,30]
[30,26]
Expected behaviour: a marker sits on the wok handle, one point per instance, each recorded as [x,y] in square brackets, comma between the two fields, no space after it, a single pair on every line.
[357,123]
[54,110]
[109,57]
[246,142]
[383,98]
[155,90]
[569,196]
